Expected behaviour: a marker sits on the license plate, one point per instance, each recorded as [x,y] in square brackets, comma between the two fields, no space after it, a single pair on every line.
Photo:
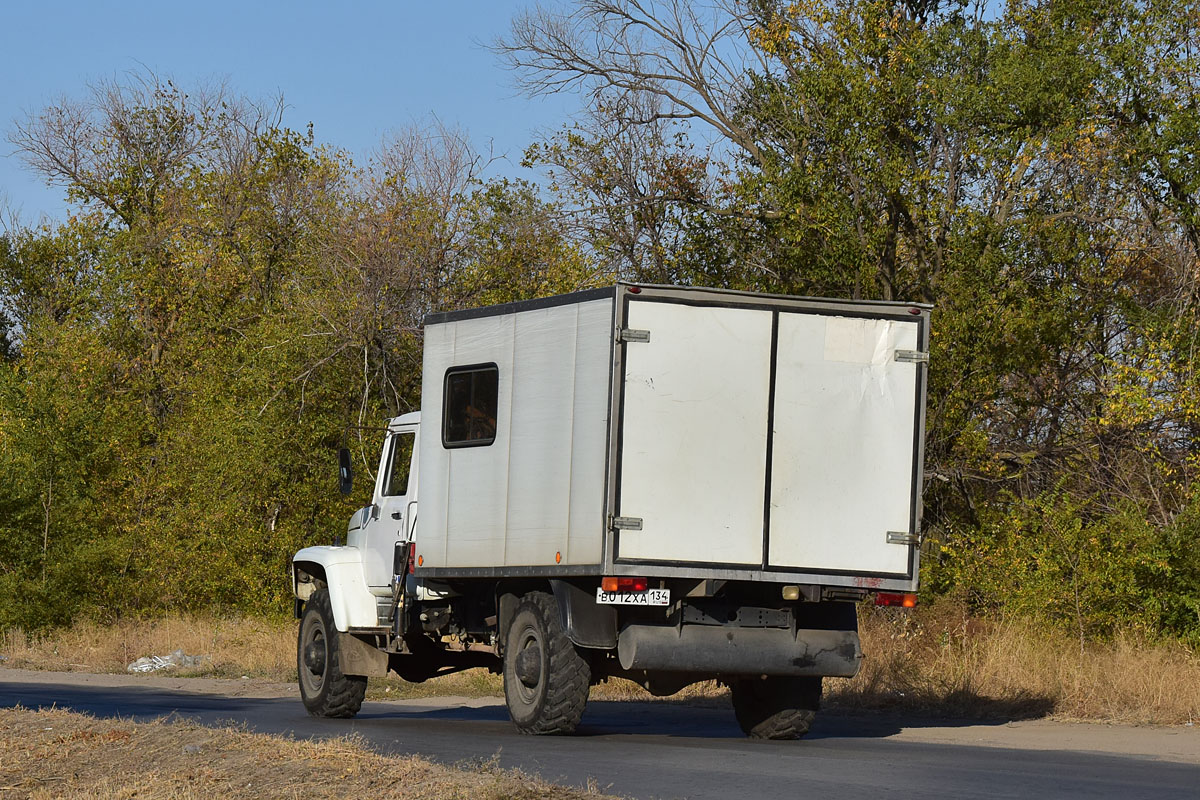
[650,597]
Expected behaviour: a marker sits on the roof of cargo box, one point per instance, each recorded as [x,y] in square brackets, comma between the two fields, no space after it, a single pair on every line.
[609,291]
[521,305]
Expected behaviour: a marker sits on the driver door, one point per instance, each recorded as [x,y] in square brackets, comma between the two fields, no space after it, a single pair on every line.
[390,522]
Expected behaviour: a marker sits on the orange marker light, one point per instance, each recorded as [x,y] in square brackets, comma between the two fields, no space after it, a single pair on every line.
[420,561]
[558,558]
[624,584]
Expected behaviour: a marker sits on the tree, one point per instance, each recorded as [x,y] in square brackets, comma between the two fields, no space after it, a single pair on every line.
[1029,172]
[231,303]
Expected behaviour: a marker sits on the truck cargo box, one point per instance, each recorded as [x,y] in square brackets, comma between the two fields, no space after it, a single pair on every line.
[675,432]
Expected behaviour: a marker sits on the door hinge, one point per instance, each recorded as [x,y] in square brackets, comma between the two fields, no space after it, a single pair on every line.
[625,523]
[903,537]
[633,335]
[912,356]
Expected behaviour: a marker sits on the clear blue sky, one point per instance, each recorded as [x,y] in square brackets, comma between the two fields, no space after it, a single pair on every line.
[355,69]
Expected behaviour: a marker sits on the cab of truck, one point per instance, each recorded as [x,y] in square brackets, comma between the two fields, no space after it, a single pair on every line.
[383,530]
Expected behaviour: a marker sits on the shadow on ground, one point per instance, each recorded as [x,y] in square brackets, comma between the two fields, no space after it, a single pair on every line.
[603,717]
[960,706]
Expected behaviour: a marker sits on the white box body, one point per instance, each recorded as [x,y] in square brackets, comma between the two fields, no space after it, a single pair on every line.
[723,435]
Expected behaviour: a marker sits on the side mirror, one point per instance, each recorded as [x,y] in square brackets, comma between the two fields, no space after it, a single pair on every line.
[345,473]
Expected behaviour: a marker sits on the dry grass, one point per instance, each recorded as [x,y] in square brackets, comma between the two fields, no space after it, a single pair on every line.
[471,683]
[940,661]
[935,661]
[51,754]
[260,648]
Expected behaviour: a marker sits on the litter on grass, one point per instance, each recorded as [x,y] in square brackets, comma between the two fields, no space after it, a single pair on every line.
[170,661]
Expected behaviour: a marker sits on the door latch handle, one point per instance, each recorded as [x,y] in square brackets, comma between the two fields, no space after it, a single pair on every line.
[397,515]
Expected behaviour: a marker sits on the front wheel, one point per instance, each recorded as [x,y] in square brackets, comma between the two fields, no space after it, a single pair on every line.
[325,690]
[776,707]
[546,679]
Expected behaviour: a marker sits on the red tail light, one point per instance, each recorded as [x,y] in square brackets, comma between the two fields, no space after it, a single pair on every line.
[894,599]
[624,584]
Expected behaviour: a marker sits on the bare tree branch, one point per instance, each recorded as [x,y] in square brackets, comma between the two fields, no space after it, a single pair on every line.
[692,57]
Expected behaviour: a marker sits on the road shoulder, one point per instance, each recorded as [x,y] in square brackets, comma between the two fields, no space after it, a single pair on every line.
[1179,744]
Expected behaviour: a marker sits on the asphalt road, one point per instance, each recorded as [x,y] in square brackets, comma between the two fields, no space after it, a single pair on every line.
[667,750]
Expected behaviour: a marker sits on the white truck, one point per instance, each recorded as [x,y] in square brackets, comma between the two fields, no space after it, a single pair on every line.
[658,483]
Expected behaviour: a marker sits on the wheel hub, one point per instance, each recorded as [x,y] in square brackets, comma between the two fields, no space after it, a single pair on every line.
[529,666]
[314,657]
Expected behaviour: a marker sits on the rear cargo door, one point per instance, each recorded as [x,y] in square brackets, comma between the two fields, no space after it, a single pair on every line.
[846,444]
[774,437]
[693,434]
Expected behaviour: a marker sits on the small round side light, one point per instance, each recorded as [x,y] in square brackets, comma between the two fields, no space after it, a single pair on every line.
[558,558]
[915,312]
[635,290]
[420,561]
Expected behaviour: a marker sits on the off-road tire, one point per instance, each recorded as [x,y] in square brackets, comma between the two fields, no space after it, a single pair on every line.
[325,690]
[553,702]
[776,707]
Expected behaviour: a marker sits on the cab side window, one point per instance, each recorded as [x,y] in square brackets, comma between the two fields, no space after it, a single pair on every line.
[399,465]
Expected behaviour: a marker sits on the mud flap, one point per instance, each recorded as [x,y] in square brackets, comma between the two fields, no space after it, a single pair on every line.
[360,658]
[587,624]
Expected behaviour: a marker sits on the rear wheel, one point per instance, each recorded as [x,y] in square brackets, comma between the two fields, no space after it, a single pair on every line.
[325,690]
[776,707]
[546,679]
